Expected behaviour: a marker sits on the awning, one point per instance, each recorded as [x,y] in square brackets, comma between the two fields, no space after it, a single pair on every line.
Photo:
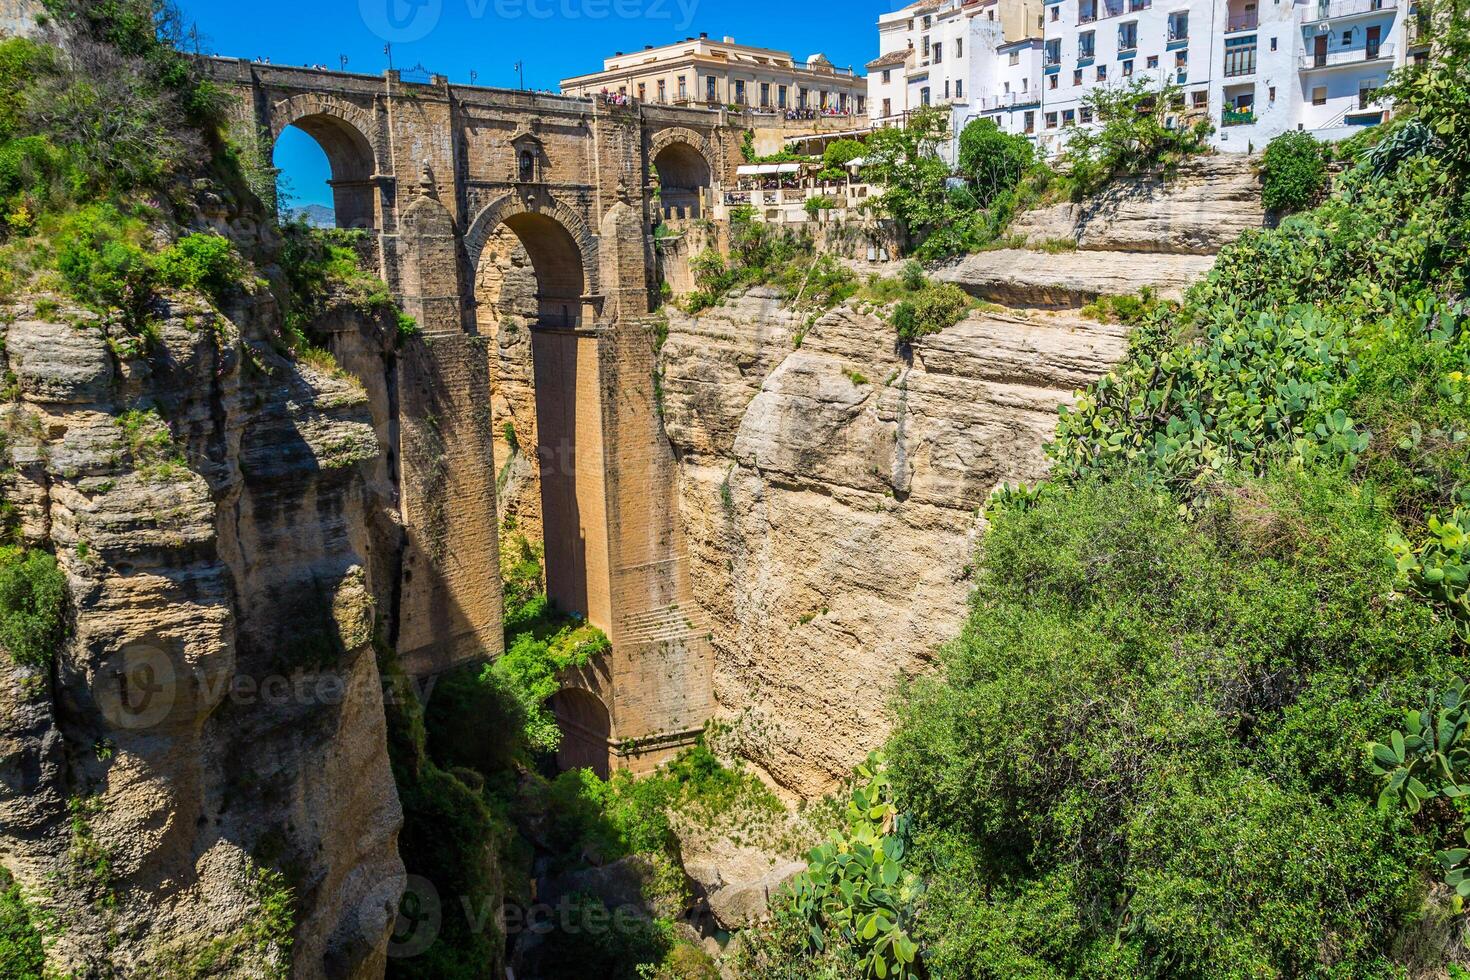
[759,169]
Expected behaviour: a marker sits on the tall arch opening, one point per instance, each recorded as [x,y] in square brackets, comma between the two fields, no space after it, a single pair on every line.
[586,731]
[683,180]
[349,198]
[532,299]
[557,263]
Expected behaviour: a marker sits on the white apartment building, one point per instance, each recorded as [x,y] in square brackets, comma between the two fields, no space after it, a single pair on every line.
[978,57]
[1255,68]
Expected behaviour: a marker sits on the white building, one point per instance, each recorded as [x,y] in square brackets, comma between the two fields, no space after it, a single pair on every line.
[1013,99]
[978,57]
[1255,68]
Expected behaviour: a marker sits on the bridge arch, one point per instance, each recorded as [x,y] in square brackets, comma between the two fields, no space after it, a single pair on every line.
[562,249]
[345,133]
[548,383]
[586,730]
[682,160]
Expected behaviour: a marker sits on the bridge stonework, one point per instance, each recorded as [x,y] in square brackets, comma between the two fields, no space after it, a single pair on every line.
[433,171]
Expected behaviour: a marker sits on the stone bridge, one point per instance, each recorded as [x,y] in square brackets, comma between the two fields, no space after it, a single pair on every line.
[495,211]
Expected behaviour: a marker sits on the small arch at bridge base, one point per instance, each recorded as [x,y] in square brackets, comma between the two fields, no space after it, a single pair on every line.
[586,731]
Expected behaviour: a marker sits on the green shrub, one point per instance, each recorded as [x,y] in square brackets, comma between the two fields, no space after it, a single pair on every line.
[1144,757]
[816,205]
[21,60]
[995,161]
[1294,172]
[590,941]
[31,168]
[857,889]
[768,255]
[934,308]
[32,606]
[1157,722]
[1246,372]
[933,218]
[324,267]
[203,261]
[1436,91]
[102,262]
[22,956]
[450,837]
[1133,135]
[529,673]
[1135,311]
[912,276]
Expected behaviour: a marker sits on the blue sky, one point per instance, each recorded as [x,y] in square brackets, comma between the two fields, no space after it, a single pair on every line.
[553,38]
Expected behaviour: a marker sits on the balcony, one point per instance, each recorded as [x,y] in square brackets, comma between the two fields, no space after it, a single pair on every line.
[1008,100]
[1087,18]
[1248,21]
[1237,117]
[1416,32]
[1315,61]
[1339,9]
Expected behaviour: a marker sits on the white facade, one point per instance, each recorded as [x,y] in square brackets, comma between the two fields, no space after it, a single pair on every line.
[978,58]
[1011,94]
[1254,68]
[1348,48]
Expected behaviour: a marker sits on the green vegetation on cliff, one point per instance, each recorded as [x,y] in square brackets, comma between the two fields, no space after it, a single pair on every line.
[767,255]
[1146,755]
[22,955]
[478,776]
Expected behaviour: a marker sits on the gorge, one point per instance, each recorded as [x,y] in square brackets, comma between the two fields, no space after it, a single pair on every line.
[329,520]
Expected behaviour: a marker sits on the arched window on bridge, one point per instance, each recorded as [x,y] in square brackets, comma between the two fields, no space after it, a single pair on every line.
[683,181]
[303,180]
[325,174]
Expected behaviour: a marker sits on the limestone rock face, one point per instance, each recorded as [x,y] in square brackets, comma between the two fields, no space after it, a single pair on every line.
[220,515]
[830,495]
[1022,278]
[1202,207]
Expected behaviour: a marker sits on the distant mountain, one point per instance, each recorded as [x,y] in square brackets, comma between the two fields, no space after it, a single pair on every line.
[316,215]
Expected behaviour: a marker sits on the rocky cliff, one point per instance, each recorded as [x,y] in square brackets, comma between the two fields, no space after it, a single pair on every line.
[832,483]
[212,734]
